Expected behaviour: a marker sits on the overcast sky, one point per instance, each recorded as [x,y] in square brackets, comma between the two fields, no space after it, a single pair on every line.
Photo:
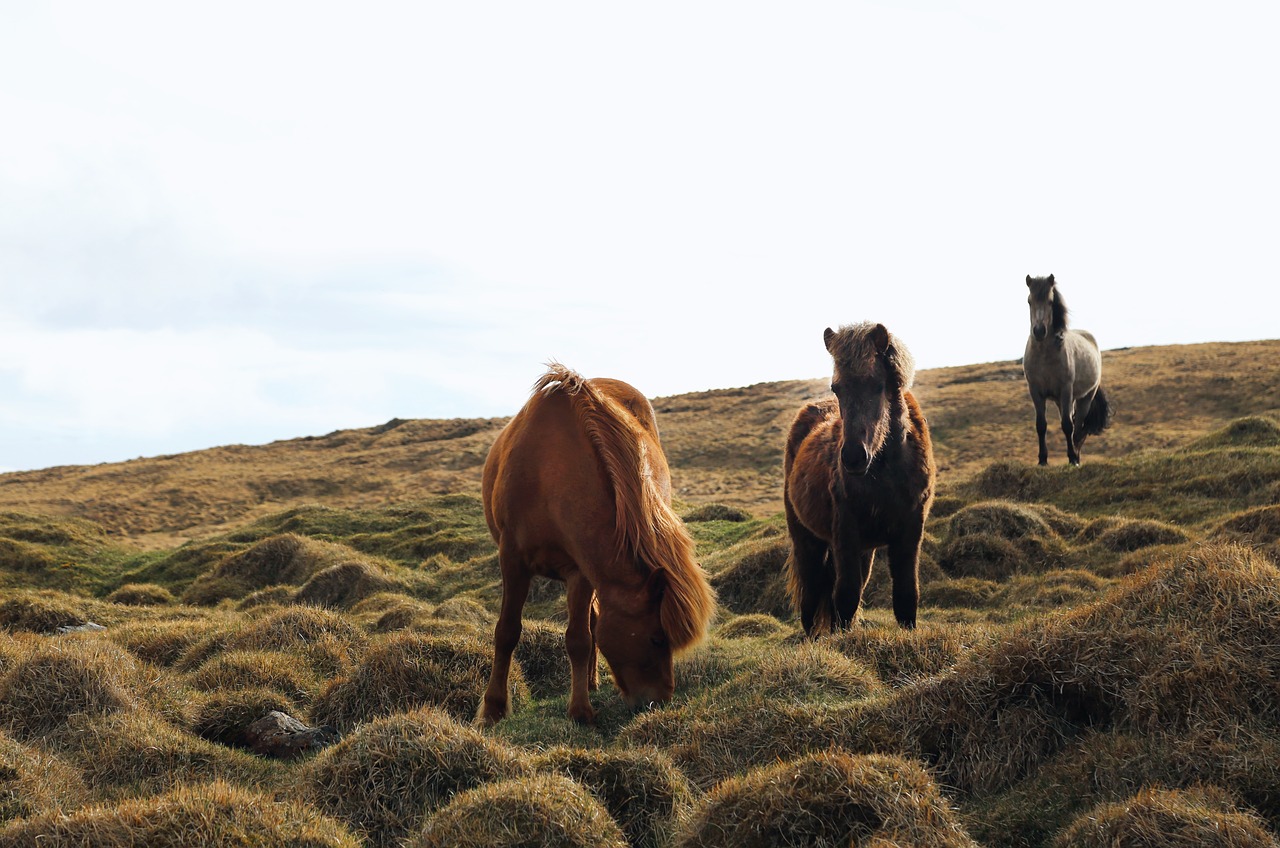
[237,222]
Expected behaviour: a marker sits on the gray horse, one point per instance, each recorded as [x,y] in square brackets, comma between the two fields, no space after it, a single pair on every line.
[1063,366]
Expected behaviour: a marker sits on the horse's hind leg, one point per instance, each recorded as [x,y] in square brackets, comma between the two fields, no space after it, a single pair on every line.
[506,635]
[580,643]
[1083,405]
[593,668]
[1067,407]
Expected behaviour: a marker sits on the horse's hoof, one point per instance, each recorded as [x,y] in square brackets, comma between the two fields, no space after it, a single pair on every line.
[583,715]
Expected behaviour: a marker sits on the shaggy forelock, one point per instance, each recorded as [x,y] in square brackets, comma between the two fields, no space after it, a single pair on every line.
[854,353]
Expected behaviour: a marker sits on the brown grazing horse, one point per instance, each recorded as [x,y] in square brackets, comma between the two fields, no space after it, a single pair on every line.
[858,474]
[577,488]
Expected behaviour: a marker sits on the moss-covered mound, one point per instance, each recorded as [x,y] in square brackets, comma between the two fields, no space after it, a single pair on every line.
[142,595]
[543,810]
[391,773]
[994,540]
[1254,431]
[828,799]
[1194,818]
[542,657]
[208,816]
[344,585]
[286,558]
[752,626]
[715,512]
[749,577]
[641,788]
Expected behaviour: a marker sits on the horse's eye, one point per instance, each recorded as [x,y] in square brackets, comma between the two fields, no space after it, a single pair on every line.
[658,641]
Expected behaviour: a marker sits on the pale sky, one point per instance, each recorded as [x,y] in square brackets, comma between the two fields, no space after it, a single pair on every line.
[238,222]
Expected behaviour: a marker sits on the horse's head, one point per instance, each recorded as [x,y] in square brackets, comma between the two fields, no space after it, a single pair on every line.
[872,370]
[629,633]
[1048,311]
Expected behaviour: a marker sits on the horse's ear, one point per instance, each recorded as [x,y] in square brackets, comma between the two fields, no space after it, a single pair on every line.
[827,335]
[880,338]
[1028,281]
[1050,279]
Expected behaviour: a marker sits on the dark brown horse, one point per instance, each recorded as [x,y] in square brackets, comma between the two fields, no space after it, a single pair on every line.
[858,475]
[577,488]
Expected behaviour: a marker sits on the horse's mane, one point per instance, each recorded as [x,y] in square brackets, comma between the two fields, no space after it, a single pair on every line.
[853,349]
[646,529]
[1059,312]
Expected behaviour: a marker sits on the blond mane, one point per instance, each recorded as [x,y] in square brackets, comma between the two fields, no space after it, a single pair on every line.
[647,531]
[854,353]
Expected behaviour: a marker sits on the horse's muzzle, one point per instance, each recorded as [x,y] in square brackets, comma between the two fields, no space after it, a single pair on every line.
[855,459]
[1039,332]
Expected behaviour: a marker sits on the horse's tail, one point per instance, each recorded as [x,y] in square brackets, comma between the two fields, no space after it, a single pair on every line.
[646,529]
[1100,412]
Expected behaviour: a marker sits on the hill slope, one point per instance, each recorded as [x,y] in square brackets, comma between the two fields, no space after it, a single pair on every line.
[724,445]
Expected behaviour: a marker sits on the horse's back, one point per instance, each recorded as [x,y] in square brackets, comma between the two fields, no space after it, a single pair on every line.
[542,479]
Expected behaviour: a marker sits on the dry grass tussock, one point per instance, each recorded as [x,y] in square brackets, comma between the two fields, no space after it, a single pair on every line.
[50,682]
[137,752]
[388,775]
[1186,644]
[1203,817]
[406,670]
[34,782]
[544,809]
[641,788]
[201,816]
[286,558]
[827,800]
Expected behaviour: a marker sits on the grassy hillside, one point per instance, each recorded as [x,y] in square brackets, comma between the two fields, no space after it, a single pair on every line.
[1095,663]
[724,446]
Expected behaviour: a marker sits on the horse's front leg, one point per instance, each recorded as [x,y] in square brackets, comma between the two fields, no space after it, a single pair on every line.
[1066,405]
[579,642]
[851,582]
[496,704]
[904,566]
[1042,426]
[809,580]
[852,558]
